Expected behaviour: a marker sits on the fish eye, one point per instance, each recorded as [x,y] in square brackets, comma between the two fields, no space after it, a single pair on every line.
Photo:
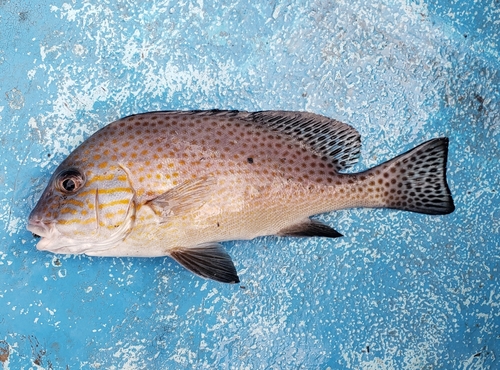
[69,181]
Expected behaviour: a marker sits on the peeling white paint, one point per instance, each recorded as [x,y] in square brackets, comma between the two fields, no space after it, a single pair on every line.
[398,291]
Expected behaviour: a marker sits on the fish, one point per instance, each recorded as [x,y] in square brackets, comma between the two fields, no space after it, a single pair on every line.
[179,183]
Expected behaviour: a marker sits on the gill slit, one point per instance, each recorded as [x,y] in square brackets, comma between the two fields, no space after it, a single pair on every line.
[96,208]
[133,201]
[129,177]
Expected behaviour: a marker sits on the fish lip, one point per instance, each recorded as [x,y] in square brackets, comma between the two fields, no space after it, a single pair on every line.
[38,228]
[46,232]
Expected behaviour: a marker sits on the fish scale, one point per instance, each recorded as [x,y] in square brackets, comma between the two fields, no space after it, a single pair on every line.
[178,183]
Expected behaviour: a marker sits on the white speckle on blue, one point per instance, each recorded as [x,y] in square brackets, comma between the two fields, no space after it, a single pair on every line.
[398,291]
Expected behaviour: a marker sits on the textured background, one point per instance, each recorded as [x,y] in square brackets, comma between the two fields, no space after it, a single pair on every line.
[399,291]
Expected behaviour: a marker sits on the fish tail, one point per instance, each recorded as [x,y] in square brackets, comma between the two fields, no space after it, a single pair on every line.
[416,180]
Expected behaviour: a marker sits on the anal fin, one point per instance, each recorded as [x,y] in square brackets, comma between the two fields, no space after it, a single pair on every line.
[209,261]
[310,228]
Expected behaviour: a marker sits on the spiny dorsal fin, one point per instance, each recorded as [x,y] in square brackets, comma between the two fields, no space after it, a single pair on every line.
[327,137]
[310,228]
[208,260]
[337,141]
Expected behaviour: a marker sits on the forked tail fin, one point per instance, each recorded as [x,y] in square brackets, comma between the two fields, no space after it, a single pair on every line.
[416,180]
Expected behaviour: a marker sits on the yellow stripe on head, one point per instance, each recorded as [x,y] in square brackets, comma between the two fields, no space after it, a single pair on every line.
[68,210]
[114,203]
[107,191]
[97,178]
[75,202]
[77,221]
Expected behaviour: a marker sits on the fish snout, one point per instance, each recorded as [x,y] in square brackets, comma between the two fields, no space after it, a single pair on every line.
[38,227]
[46,231]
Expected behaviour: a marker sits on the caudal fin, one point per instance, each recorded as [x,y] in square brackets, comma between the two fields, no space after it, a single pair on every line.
[416,180]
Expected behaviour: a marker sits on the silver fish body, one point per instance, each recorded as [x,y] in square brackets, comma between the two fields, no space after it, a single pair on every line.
[178,183]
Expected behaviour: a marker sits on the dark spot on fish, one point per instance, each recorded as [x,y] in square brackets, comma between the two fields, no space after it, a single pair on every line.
[218,225]
[250,160]
[242,287]
[48,155]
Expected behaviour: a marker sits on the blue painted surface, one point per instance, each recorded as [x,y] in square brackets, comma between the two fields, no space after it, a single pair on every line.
[399,291]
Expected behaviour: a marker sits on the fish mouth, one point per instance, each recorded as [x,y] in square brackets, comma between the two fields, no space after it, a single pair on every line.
[46,232]
[51,239]
[38,228]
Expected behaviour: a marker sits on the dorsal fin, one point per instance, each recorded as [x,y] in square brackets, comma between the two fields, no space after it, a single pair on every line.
[337,141]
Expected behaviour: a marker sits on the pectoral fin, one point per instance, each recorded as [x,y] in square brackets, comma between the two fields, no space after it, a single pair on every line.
[181,199]
[209,261]
[310,228]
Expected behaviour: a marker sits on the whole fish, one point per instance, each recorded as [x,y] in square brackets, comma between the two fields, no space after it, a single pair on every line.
[178,183]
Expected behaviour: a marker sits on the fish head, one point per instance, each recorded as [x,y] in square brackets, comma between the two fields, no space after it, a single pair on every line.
[87,206]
